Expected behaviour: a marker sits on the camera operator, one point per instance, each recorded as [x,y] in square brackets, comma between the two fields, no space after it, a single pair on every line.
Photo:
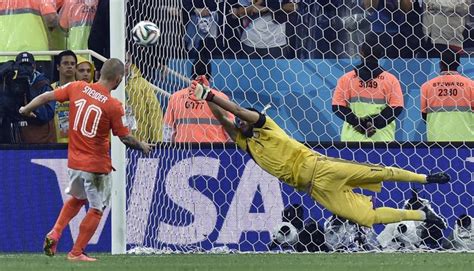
[20,84]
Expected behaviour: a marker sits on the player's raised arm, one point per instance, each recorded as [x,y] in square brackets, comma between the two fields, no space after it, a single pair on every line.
[200,92]
[38,101]
[222,117]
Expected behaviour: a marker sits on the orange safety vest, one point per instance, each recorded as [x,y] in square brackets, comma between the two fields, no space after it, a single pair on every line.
[448,101]
[193,121]
[76,17]
[368,98]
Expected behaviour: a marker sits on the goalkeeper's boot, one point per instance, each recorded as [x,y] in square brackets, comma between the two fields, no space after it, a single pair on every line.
[51,243]
[433,218]
[80,258]
[439,178]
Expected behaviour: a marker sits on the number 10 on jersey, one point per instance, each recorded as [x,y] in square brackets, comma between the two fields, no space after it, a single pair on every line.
[91,115]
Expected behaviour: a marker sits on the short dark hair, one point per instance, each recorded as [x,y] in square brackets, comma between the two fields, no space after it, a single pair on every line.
[371,47]
[65,53]
[449,61]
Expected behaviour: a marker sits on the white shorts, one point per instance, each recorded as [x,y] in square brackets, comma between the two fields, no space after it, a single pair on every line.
[94,187]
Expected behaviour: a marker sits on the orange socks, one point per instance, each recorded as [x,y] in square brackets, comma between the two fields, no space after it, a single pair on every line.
[70,209]
[88,225]
[86,231]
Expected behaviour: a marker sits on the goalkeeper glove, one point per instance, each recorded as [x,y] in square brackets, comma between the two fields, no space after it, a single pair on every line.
[199,92]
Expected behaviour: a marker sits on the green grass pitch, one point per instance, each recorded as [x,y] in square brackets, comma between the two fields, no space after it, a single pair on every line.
[248,262]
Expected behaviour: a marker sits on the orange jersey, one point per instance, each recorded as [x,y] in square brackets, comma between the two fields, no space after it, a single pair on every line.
[193,121]
[367,98]
[59,4]
[93,112]
[77,13]
[448,92]
[385,89]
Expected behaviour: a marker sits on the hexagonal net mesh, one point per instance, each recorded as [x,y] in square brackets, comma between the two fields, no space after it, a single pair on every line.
[380,82]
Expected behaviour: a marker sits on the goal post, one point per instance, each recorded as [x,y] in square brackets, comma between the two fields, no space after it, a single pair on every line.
[118,150]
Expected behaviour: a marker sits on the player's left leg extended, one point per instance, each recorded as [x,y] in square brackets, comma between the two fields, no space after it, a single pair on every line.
[358,208]
[334,180]
[333,171]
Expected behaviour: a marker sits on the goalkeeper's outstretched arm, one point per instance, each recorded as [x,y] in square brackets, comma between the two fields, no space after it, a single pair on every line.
[200,92]
[244,114]
[221,116]
[218,105]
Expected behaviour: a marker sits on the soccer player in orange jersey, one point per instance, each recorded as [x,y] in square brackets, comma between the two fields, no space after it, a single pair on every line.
[93,113]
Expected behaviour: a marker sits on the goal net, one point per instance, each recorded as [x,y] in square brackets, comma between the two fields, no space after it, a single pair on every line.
[191,195]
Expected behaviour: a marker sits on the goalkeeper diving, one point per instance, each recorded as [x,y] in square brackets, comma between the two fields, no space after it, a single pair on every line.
[329,181]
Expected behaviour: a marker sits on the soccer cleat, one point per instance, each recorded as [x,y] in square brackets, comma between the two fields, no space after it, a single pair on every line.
[438,178]
[50,243]
[81,258]
[433,218]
